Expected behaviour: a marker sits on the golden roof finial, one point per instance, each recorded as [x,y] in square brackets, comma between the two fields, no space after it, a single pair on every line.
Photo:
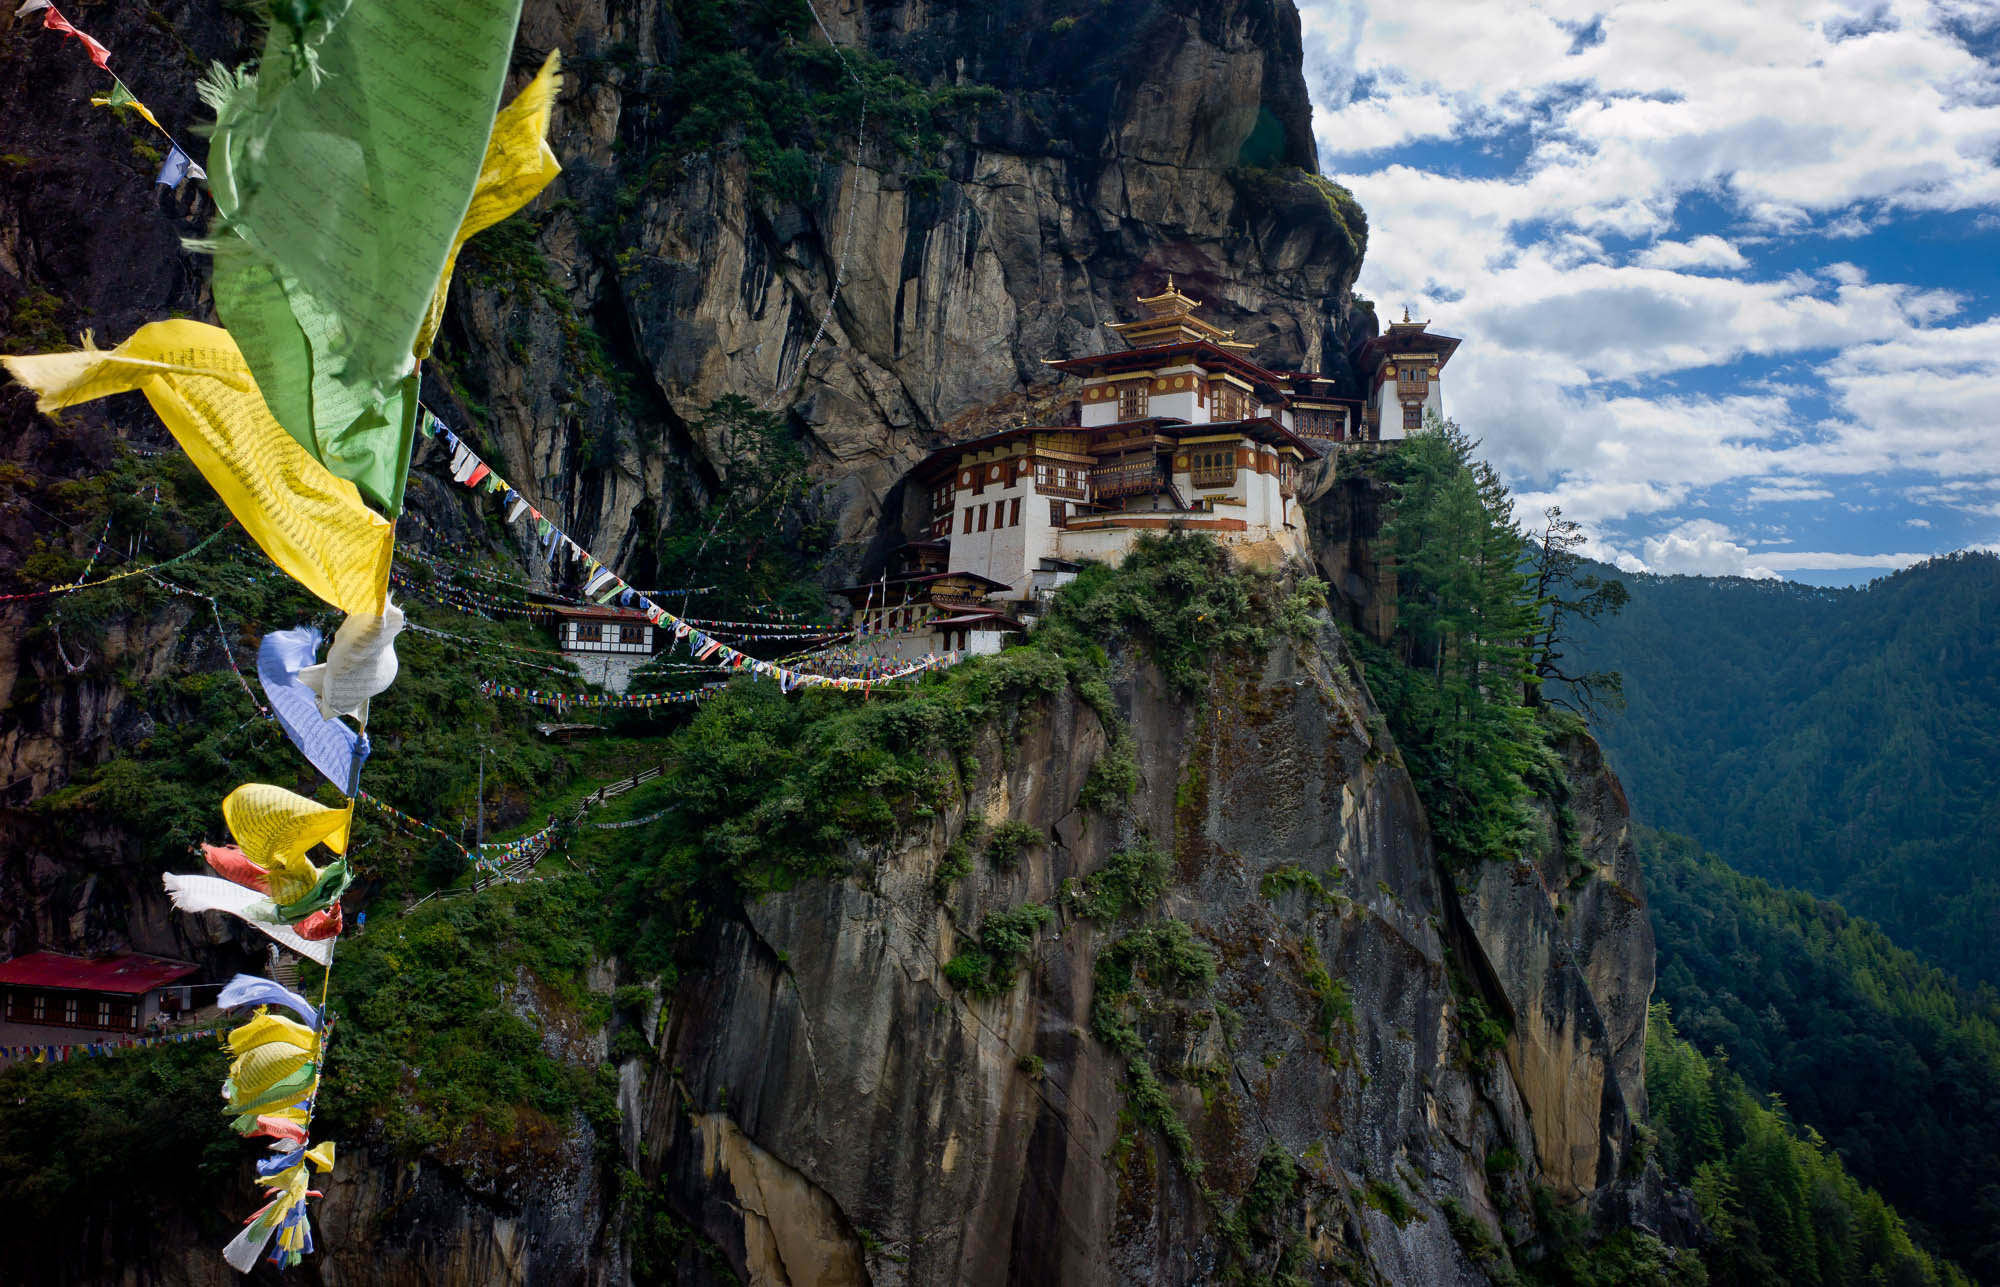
[1406,312]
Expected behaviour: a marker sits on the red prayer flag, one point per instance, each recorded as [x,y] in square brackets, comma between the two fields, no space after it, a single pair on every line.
[479,473]
[54,21]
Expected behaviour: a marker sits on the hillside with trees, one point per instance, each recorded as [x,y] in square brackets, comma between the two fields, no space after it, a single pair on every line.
[1842,741]
[1888,1060]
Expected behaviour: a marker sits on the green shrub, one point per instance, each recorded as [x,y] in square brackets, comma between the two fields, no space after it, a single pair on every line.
[1130,879]
[1009,841]
[1004,939]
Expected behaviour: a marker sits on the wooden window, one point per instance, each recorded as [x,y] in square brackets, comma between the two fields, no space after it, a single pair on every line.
[1055,513]
[104,1014]
[70,1009]
[1014,513]
[590,633]
[1132,400]
[40,1008]
[968,520]
[632,634]
[982,518]
[1321,423]
[1413,416]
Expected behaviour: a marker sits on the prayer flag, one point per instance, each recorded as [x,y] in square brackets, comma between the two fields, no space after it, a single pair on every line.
[329,744]
[341,179]
[312,524]
[517,166]
[54,21]
[122,97]
[360,663]
[174,168]
[213,894]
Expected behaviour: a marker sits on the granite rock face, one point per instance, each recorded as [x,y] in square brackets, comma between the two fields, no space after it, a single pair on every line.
[932,1136]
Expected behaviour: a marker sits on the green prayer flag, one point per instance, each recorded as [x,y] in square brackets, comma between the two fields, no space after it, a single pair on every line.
[341,171]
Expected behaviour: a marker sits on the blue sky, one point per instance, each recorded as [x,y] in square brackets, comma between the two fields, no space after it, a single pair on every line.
[1728,272]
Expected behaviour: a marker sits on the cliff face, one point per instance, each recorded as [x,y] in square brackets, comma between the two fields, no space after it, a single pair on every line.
[828,1108]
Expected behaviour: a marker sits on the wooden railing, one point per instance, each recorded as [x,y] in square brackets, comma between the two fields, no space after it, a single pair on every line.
[1128,478]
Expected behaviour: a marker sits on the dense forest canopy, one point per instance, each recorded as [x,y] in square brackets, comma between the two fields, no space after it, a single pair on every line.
[1846,742]
[1888,1059]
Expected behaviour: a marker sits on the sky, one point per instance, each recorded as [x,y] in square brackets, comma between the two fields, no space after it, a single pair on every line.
[1727,273]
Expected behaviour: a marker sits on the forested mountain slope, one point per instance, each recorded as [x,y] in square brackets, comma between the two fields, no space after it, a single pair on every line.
[1896,1065]
[1846,742]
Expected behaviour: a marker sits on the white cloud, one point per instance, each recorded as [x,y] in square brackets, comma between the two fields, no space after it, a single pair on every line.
[1706,251]
[1828,561]
[1916,522]
[1785,492]
[1597,373]
[1700,547]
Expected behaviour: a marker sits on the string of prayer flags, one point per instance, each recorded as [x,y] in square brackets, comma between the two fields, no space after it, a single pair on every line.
[312,524]
[341,189]
[329,745]
[490,688]
[272,1083]
[53,1054]
[610,585]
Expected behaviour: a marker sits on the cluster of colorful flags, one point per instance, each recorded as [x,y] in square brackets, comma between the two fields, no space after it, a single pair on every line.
[178,165]
[47,1054]
[337,229]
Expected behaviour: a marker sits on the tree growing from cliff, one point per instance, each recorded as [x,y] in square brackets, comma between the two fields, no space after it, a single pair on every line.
[1566,596]
[1466,610]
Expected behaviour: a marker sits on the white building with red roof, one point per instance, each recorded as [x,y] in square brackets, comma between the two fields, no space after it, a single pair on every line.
[47,997]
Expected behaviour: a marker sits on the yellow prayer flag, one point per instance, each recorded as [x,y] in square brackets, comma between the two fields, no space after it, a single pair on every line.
[321,1155]
[518,164]
[270,1029]
[274,827]
[124,99]
[312,524]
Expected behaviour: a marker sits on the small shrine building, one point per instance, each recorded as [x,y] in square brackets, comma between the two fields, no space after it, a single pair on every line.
[606,644]
[49,997]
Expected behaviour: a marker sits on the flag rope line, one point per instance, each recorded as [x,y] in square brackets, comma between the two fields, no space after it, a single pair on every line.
[603,585]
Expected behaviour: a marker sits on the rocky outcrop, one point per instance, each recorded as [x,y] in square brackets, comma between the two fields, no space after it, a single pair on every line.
[1565,936]
[940,1137]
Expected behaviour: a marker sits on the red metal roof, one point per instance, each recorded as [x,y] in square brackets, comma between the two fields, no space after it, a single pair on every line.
[126,973]
[630,615]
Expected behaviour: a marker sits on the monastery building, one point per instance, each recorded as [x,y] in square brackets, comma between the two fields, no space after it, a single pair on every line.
[1178,430]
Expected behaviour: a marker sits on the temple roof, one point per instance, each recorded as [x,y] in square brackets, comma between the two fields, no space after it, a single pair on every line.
[1201,352]
[1170,319]
[1406,336]
[122,973]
